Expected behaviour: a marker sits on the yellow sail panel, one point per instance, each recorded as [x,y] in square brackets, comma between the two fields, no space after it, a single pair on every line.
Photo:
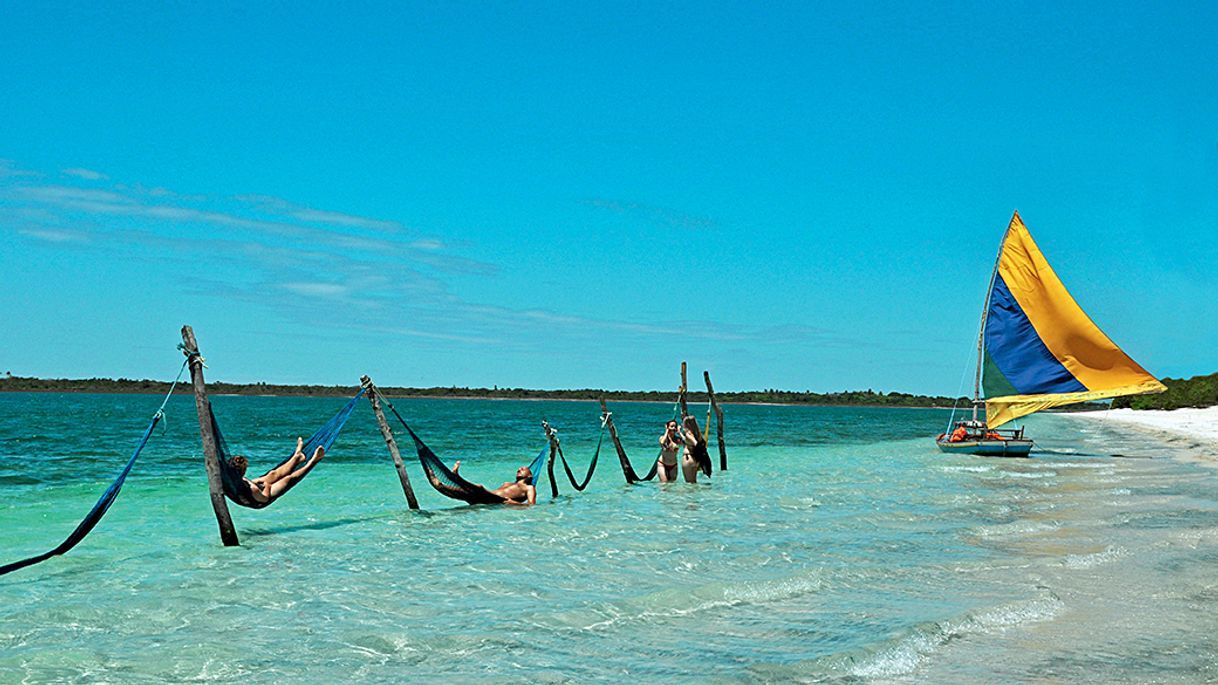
[1000,410]
[1066,331]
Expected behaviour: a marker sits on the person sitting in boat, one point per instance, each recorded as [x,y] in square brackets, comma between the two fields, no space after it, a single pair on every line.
[270,485]
[670,445]
[520,491]
[695,456]
[992,435]
[959,435]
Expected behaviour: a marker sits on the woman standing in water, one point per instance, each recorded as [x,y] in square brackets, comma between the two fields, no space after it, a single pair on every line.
[695,456]
[670,444]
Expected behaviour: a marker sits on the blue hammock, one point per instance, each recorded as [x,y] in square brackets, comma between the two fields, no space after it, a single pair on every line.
[447,482]
[95,514]
[103,503]
[235,486]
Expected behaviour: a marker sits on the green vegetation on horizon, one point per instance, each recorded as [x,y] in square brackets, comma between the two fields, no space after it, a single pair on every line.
[1198,391]
[11,383]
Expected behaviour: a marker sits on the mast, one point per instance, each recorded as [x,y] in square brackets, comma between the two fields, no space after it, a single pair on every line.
[985,312]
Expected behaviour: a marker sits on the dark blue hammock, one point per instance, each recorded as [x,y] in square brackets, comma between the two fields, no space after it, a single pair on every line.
[95,514]
[447,482]
[235,486]
[103,503]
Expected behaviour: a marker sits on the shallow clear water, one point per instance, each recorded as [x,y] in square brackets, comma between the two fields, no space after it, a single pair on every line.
[840,547]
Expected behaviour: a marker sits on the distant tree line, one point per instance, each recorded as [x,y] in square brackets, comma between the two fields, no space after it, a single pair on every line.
[1198,391]
[126,385]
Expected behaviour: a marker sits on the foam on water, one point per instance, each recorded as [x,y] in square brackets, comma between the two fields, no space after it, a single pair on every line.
[1080,561]
[1023,474]
[909,652]
[967,469]
[1018,528]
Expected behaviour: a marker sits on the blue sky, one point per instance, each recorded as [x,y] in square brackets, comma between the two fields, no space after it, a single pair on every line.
[798,196]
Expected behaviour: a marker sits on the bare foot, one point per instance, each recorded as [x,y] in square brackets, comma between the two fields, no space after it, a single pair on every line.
[318,453]
[299,444]
[457,466]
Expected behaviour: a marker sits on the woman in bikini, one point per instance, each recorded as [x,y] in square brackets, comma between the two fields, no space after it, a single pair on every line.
[670,444]
[695,457]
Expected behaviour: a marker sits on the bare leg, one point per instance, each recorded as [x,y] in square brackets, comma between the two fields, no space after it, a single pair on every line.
[689,468]
[289,480]
[662,472]
[283,470]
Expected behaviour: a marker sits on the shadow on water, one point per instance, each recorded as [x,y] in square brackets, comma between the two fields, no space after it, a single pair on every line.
[319,525]
[68,566]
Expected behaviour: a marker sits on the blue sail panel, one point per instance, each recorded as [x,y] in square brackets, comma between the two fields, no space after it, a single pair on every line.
[1017,350]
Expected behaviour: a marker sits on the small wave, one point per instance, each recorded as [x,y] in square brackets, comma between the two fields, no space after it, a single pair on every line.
[705,598]
[799,502]
[772,590]
[1194,537]
[1081,561]
[1025,474]
[1017,528]
[967,469]
[911,651]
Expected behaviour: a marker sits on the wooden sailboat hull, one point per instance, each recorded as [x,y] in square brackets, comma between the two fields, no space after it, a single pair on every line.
[987,448]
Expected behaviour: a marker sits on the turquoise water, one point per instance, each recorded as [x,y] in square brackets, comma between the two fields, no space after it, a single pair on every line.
[840,547]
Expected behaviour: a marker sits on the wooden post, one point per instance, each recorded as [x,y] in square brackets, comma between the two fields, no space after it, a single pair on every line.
[682,399]
[710,391]
[228,534]
[617,444]
[681,394]
[553,453]
[387,433]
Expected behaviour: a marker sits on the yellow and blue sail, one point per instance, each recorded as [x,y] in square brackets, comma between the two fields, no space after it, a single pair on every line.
[1040,349]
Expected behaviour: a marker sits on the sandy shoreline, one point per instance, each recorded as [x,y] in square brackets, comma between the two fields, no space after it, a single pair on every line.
[1199,425]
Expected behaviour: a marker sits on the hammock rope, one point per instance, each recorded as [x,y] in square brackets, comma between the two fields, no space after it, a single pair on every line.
[591,466]
[446,481]
[235,486]
[107,498]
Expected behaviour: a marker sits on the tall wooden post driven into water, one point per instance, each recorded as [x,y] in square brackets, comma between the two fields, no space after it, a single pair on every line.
[211,459]
[553,439]
[683,400]
[387,433]
[710,391]
[681,394]
[617,443]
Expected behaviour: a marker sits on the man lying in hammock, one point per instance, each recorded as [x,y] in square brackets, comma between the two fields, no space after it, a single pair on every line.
[520,492]
[280,478]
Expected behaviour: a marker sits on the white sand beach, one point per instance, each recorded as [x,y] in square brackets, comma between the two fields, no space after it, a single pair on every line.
[1198,424]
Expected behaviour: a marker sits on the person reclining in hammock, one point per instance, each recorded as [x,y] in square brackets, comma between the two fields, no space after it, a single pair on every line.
[520,492]
[274,482]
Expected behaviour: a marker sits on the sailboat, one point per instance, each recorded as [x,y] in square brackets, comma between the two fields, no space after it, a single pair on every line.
[1037,349]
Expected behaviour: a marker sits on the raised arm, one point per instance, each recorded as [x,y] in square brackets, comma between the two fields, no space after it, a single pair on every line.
[690,437]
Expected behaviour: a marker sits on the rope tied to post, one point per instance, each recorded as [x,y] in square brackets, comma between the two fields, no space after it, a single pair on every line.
[193,356]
